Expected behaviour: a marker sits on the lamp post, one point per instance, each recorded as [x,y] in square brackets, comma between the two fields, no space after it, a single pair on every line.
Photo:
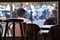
[31,16]
[11,10]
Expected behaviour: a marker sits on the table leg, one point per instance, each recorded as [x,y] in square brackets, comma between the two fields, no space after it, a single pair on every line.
[44,36]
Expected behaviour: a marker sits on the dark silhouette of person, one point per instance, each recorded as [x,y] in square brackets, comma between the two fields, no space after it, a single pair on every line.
[52,20]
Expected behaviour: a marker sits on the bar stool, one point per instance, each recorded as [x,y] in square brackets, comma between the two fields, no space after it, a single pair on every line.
[13,20]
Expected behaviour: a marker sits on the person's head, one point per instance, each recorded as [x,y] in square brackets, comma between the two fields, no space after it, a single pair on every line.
[54,12]
[21,12]
[38,5]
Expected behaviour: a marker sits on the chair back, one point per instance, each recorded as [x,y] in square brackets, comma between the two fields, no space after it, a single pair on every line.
[13,22]
[32,30]
[55,32]
[32,27]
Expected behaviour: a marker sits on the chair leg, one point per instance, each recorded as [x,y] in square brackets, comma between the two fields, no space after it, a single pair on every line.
[5,31]
[44,36]
[21,31]
[27,35]
[35,36]
[0,36]
[13,30]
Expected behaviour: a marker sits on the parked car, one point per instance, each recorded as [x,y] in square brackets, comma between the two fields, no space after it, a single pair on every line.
[4,12]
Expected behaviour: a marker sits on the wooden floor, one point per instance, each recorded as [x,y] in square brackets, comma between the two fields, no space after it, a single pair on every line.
[17,38]
[40,37]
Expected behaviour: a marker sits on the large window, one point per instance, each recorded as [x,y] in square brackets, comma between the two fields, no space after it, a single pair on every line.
[41,11]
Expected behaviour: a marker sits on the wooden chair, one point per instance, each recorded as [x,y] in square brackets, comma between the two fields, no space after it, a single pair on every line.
[13,21]
[54,33]
[1,32]
[32,30]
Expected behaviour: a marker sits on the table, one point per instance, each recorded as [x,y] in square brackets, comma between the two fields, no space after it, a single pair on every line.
[45,26]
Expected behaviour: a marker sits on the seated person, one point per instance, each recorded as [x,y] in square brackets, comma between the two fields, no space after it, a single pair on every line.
[20,15]
[49,22]
[52,20]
